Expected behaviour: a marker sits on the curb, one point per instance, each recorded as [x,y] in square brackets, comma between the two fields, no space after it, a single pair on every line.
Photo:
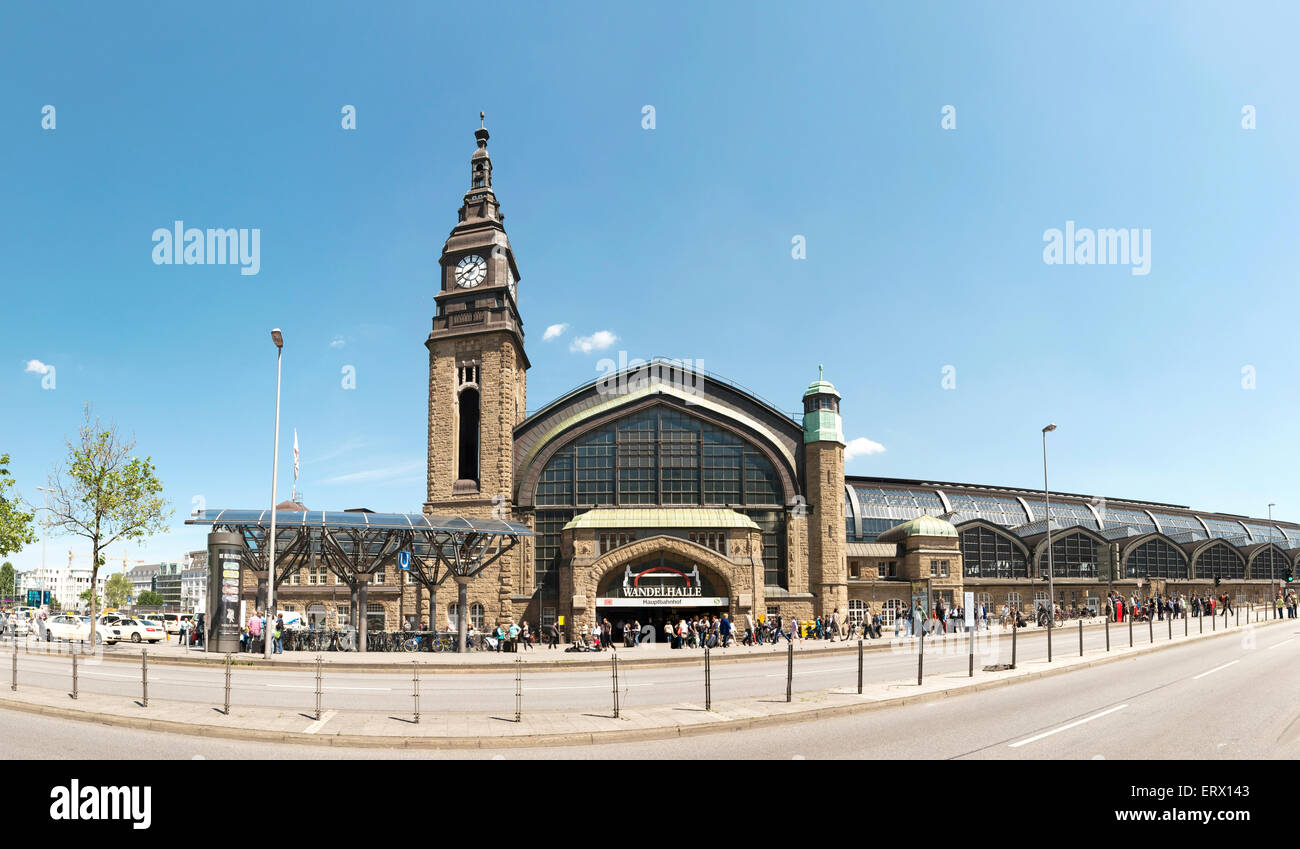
[584,738]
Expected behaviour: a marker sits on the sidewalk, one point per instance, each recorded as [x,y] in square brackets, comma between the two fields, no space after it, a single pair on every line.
[496,727]
[644,656]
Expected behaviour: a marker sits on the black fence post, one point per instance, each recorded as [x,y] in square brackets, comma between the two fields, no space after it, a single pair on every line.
[1185,623]
[1081,636]
[13,682]
[1170,620]
[227,710]
[1108,631]
[1130,629]
[789,669]
[1015,629]
[708,681]
[415,688]
[920,660]
[1151,630]
[1214,623]
[144,677]
[74,672]
[613,664]
[318,688]
[859,667]
[519,689]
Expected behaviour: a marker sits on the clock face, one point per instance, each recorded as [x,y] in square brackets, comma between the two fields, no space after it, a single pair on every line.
[470,271]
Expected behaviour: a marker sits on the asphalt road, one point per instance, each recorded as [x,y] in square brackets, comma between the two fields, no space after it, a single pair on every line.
[1228,698]
[583,689]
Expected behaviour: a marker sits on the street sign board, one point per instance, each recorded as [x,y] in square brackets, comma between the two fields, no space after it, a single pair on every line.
[403,560]
[968,603]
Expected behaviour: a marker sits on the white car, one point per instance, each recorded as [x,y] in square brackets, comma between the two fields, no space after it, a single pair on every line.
[135,630]
[20,626]
[67,627]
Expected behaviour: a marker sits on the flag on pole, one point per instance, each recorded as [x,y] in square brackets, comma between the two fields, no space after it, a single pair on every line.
[295,455]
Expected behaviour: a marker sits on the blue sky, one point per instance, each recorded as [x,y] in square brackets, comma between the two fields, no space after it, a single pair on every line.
[924,245]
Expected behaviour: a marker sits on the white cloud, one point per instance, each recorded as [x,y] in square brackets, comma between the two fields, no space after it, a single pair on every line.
[553,331]
[36,367]
[337,342]
[391,473]
[598,341]
[861,446]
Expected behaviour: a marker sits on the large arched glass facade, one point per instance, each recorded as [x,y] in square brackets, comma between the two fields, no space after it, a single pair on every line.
[1268,563]
[1220,560]
[660,457]
[985,554]
[1156,558]
[1073,556]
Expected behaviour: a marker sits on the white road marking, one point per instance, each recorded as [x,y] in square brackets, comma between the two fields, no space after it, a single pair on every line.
[1074,724]
[331,687]
[324,718]
[113,675]
[1214,670]
[1284,642]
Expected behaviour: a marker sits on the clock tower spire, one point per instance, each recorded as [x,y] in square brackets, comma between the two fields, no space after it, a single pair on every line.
[477,363]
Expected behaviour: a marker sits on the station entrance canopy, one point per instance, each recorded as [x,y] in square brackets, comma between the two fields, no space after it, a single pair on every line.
[356,544]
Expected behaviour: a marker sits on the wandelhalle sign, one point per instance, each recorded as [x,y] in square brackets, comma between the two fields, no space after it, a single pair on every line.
[661,585]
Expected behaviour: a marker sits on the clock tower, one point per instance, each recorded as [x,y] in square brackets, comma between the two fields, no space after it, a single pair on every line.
[477,363]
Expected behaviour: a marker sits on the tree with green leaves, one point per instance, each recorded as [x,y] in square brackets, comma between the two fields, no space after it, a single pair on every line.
[15,523]
[104,493]
[117,590]
[85,596]
[7,580]
[149,598]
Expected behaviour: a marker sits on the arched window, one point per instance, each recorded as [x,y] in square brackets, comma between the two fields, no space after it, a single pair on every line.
[467,450]
[985,554]
[889,610]
[1156,558]
[660,456]
[375,618]
[1073,556]
[1269,563]
[857,610]
[1220,560]
[476,616]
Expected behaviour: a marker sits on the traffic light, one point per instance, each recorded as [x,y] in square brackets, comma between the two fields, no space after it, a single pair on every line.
[1289,576]
[1216,580]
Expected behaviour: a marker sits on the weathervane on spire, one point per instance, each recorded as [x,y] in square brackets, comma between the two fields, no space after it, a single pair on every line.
[481,116]
[819,371]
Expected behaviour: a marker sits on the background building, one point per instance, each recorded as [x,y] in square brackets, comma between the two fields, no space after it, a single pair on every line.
[662,491]
[63,582]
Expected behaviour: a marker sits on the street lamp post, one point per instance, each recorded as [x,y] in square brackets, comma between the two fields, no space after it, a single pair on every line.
[278,339]
[1051,588]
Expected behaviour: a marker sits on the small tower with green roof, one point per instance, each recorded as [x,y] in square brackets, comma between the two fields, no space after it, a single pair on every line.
[823,439]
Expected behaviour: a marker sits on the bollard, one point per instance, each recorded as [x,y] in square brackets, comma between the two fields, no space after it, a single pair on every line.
[1184,623]
[1200,621]
[415,688]
[613,663]
[318,688]
[1014,629]
[227,710]
[1080,637]
[1151,630]
[1108,631]
[1170,620]
[708,681]
[1238,613]
[519,689]
[1130,629]
[144,678]
[74,672]
[920,660]
[859,667]
[789,668]
[1214,623]
[13,682]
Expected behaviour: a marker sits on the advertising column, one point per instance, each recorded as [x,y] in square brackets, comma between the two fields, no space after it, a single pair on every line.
[224,572]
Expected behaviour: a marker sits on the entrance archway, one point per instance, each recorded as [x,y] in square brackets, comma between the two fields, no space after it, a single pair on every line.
[657,588]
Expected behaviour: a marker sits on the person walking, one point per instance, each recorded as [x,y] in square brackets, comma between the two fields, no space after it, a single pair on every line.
[254,630]
[1277,606]
[278,646]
